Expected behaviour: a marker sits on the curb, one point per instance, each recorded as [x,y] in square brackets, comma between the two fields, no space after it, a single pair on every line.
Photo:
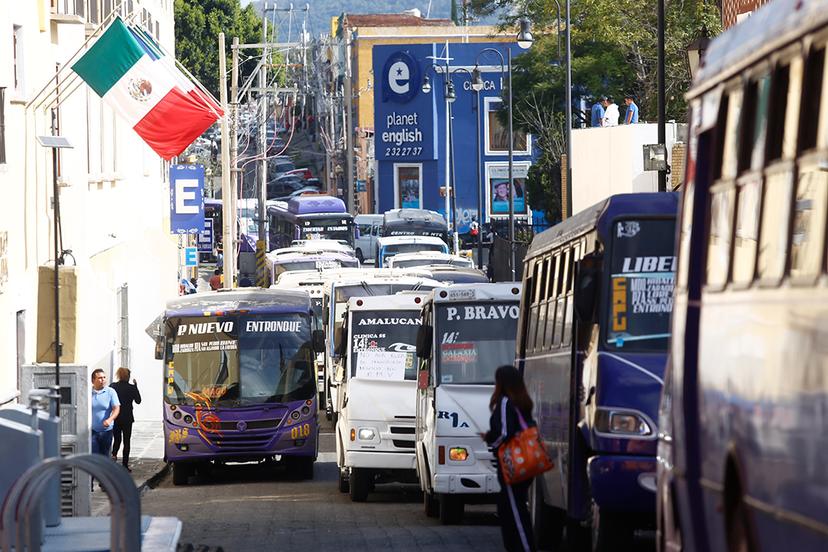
[154,480]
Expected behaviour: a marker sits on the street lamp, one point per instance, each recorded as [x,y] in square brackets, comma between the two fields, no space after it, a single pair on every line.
[450,95]
[524,37]
[524,40]
[55,143]
[696,50]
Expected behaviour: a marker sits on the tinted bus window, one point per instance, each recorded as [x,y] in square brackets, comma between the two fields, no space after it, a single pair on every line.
[642,267]
[747,231]
[775,216]
[718,249]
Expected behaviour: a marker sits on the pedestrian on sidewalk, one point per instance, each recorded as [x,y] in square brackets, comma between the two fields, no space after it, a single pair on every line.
[598,112]
[631,117]
[611,114]
[216,280]
[127,393]
[509,396]
[105,409]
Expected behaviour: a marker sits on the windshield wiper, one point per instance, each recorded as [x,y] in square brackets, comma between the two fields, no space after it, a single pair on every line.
[366,287]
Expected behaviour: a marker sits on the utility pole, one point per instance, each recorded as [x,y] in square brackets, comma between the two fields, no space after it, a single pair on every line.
[261,189]
[228,212]
[349,140]
[662,111]
[234,139]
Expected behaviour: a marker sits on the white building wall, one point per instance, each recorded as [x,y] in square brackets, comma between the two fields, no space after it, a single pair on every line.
[114,209]
[609,161]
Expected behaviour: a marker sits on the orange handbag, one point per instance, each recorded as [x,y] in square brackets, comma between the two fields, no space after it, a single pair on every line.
[522,457]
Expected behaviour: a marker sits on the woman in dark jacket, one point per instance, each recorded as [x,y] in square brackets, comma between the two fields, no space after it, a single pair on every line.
[510,396]
[127,393]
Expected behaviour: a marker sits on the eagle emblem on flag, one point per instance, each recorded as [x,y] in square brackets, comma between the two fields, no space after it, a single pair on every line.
[140,89]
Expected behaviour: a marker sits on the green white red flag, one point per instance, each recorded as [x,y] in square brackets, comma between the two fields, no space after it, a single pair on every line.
[132,74]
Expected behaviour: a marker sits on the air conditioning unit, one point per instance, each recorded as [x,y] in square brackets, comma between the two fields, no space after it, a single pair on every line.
[75,420]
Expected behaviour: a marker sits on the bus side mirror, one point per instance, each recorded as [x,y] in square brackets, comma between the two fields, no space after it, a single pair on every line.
[424,335]
[586,290]
[160,345]
[318,338]
[422,380]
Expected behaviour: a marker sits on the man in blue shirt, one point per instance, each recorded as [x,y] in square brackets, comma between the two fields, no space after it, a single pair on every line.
[105,408]
[631,117]
[598,111]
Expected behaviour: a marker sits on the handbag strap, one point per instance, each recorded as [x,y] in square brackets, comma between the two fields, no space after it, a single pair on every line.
[520,418]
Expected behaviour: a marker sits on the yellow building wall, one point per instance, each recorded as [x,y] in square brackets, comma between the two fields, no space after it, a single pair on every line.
[363,59]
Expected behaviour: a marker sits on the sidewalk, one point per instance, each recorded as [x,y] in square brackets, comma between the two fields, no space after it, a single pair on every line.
[146,461]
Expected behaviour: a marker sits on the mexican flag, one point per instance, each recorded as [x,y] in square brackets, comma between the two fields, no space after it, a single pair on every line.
[130,72]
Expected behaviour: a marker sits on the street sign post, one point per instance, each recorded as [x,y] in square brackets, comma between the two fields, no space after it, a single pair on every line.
[186,199]
[190,256]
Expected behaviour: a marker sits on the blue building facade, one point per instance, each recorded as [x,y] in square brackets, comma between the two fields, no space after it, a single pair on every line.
[410,132]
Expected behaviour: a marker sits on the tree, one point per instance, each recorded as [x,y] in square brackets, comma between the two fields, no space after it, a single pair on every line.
[197,26]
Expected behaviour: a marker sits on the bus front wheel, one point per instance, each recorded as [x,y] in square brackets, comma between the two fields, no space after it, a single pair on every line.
[430,504]
[610,531]
[181,472]
[547,522]
[451,509]
[359,484]
[343,481]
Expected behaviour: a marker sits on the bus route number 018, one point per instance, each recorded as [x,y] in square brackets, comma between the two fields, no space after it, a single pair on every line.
[298,432]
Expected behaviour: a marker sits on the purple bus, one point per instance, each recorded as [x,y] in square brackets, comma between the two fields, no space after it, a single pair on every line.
[309,217]
[239,380]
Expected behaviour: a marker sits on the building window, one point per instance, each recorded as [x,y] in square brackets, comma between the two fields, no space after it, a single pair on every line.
[408,185]
[2,125]
[497,188]
[497,134]
[17,52]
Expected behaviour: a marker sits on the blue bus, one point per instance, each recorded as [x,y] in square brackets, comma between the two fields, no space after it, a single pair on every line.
[744,415]
[239,380]
[309,217]
[592,344]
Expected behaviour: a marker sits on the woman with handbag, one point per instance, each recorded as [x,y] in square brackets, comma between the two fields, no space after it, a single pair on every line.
[511,414]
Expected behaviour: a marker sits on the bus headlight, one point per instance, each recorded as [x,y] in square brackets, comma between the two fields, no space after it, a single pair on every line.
[458,454]
[366,434]
[622,423]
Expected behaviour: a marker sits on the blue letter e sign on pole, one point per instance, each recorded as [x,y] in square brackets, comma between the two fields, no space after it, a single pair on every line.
[186,199]
[190,256]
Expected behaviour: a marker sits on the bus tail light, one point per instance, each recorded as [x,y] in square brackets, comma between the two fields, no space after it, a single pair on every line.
[441,454]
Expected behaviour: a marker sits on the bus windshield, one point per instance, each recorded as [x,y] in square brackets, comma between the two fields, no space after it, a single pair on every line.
[384,344]
[369,289]
[317,264]
[642,268]
[239,360]
[389,250]
[473,339]
[411,263]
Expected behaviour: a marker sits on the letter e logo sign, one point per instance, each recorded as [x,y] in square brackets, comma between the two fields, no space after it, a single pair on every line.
[401,78]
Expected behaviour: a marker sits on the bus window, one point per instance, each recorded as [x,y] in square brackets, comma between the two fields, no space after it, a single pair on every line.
[551,303]
[776,116]
[530,297]
[570,285]
[747,230]
[543,307]
[754,124]
[809,223]
[730,153]
[563,281]
[811,96]
[718,245]
[773,236]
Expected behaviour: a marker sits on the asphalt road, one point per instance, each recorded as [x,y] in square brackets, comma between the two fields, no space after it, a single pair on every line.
[253,507]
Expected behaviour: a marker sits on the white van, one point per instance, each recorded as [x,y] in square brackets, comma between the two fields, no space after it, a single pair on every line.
[377,388]
[468,331]
[369,228]
[390,246]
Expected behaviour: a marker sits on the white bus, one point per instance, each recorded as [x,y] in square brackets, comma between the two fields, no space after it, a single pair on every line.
[336,294]
[468,331]
[375,428]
